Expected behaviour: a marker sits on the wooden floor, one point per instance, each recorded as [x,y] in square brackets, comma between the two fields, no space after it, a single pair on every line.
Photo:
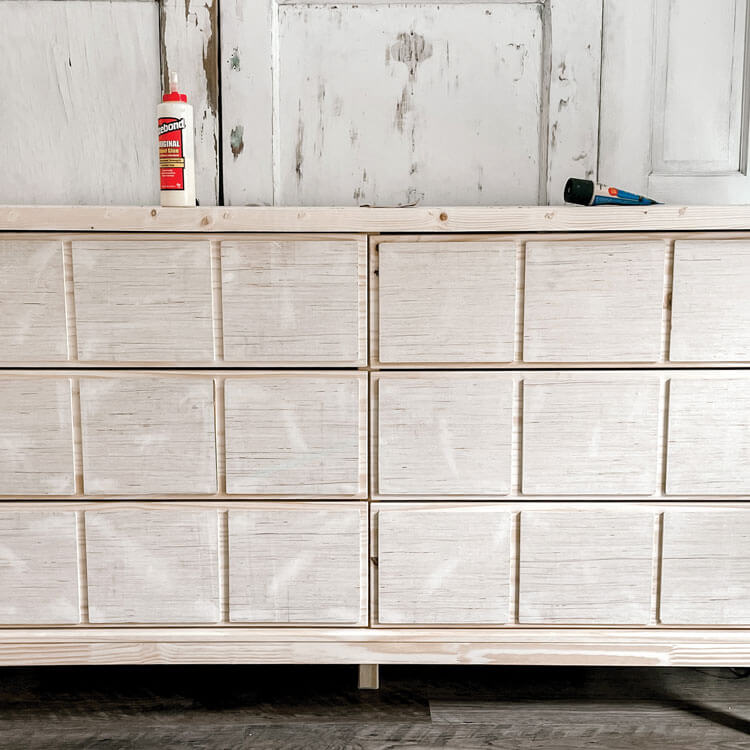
[305,708]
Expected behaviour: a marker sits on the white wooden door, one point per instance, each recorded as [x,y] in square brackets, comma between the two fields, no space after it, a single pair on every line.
[674,112]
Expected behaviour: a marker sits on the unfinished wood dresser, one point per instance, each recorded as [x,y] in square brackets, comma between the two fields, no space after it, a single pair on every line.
[375,436]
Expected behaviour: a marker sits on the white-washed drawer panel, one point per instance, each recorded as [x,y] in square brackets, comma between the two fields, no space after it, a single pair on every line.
[143,300]
[297,435]
[179,300]
[706,567]
[297,564]
[144,435]
[710,301]
[33,324]
[586,567]
[590,434]
[36,435]
[593,301]
[441,565]
[38,567]
[155,566]
[443,434]
[445,301]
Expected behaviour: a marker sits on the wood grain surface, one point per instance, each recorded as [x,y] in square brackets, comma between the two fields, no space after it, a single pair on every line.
[299,564]
[586,567]
[442,566]
[152,566]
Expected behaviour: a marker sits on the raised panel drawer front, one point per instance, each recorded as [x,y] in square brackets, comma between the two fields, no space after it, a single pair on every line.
[152,566]
[444,433]
[593,301]
[36,435]
[706,567]
[143,300]
[442,564]
[586,567]
[708,449]
[38,568]
[147,435]
[446,301]
[297,435]
[590,434]
[32,301]
[711,301]
[299,301]
[298,564]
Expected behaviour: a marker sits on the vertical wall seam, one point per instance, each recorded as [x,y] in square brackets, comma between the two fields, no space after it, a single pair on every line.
[275,104]
[599,95]
[545,11]
[219,113]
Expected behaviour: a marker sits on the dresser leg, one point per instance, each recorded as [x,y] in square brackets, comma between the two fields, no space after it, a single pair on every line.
[369,677]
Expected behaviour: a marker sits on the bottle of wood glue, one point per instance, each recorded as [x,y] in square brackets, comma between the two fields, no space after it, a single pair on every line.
[176,148]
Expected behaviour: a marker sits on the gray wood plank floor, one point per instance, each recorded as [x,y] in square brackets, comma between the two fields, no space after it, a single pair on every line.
[306,708]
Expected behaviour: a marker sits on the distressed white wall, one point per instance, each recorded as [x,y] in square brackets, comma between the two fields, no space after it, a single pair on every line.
[486,102]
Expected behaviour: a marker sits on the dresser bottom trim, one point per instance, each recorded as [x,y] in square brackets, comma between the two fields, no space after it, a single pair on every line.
[533,646]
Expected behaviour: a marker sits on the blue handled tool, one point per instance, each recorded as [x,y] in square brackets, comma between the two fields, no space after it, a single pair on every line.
[588,193]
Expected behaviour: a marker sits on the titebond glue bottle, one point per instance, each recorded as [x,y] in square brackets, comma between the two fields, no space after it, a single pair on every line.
[176,149]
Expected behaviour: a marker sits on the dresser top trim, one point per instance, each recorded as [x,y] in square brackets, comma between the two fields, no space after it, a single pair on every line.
[373,220]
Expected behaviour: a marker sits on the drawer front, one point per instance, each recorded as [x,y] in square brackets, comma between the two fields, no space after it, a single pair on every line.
[593,301]
[545,300]
[152,566]
[301,435]
[143,300]
[446,301]
[32,301]
[585,567]
[442,565]
[444,434]
[706,567]
[276,434]
[561,434]
[109,300]
[297,565]
[38,568]
[710,301]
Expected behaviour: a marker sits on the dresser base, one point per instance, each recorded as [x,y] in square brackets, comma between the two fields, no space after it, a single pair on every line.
[659,647]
